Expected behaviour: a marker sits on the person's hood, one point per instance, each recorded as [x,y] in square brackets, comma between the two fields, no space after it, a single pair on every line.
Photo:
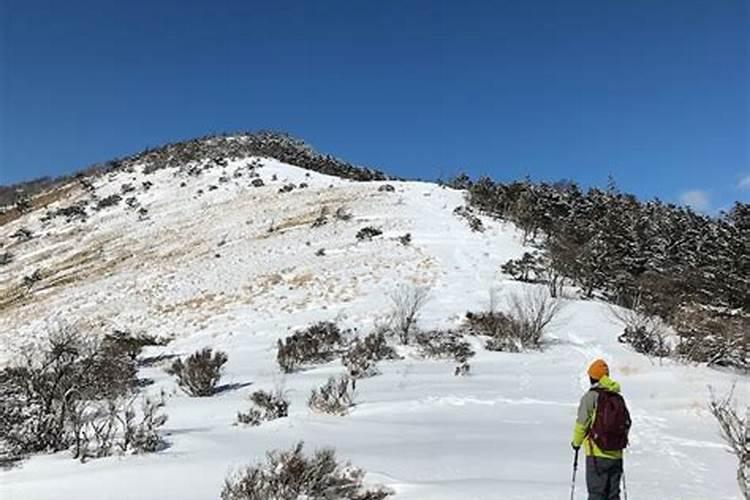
[608,384]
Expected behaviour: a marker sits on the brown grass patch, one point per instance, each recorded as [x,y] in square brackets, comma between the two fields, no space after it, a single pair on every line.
[40,201]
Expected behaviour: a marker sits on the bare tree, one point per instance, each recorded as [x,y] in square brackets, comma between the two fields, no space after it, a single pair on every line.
[736,432]
[408,301]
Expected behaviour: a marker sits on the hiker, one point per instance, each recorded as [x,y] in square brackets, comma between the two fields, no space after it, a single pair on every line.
[602,429]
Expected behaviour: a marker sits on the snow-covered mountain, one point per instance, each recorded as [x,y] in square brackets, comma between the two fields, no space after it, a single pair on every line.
[231,257]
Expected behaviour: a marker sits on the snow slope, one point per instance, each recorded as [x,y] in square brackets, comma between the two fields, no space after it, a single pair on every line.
[206,269]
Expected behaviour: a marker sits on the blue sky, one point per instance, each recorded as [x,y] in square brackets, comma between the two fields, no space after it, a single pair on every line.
[654,93]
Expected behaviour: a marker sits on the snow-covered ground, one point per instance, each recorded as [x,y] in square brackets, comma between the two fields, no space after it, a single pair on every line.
[235,268]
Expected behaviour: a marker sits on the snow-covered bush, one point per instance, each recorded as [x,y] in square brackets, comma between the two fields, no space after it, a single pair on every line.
[735,429]
[364,353]
[200,373]
[319,343]
[386,188]
[408,301]
[290,475]
[367,233]
[335,397]
[39,395]
[267,406]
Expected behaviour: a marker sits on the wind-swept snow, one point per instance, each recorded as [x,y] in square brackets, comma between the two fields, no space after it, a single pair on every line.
[235,268]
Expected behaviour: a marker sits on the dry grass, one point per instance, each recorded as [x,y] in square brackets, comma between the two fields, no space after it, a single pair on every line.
[41,201]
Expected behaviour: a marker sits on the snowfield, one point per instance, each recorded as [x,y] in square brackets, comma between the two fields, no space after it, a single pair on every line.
[235,268]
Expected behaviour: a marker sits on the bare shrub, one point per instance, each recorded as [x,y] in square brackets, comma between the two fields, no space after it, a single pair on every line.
[386,188]
[343,214]
[290,475]
[446,345]
[335,397]
[318,343]
[109,201]
[267,406]
[39,396]
[6,258]
[72,212]
[408,301]
[131,345]
[367,233]
[736,432]
[363,354]
[647,334]
[322,218]
[467,213]
[22,234]
[405,239]
[32,279]
[521,328]
[714,337]
[102,428]
[200,373]
[533,311]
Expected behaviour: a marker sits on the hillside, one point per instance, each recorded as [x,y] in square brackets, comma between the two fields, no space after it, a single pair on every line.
[230,257]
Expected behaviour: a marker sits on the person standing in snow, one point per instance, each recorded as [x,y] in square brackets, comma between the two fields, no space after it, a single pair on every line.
[602,428]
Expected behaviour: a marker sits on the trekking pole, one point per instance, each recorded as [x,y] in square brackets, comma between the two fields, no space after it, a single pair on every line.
[624,487]
[573,482]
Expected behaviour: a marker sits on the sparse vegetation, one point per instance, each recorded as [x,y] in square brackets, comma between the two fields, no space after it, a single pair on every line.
[23,234]
[109,201]
[367,233]
[363,354]
[318,343]
[714,337]
[408,301]
[6,258]
[335,397]
[474,222]
[290,475]
[343,214]
[446,345]
[646,334]
[46,398]
[522,327]
[405,239]
[736,432]
[267,406]
[200,373]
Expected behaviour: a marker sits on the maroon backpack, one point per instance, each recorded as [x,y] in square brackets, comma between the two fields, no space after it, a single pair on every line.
[612,421]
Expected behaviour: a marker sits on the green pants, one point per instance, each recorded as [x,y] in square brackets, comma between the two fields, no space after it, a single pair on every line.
[603,478]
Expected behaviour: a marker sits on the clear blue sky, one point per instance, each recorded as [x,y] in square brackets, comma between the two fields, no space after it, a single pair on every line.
[653,92]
